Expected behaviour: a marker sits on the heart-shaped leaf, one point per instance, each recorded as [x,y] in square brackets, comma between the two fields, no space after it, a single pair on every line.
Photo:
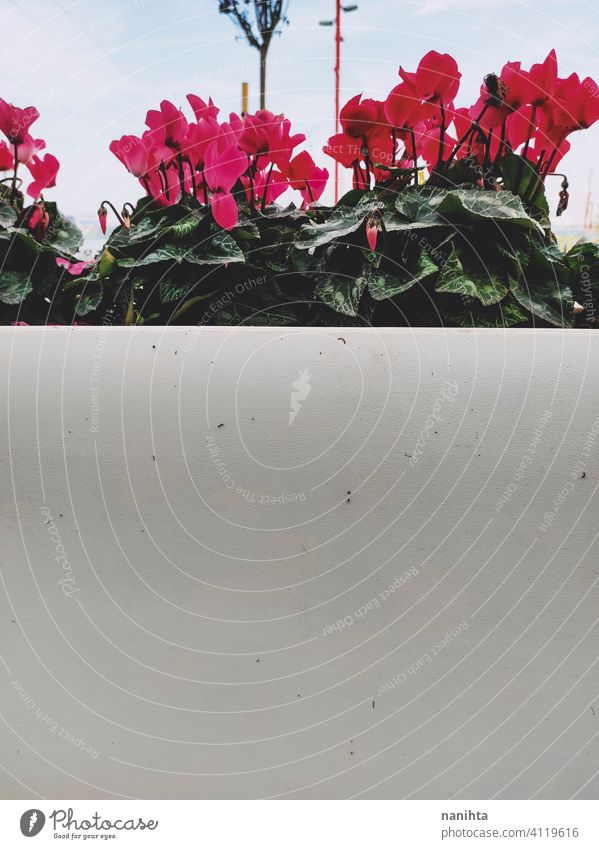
[14,287]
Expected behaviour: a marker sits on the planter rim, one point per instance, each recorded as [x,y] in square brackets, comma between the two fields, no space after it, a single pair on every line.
[219,328]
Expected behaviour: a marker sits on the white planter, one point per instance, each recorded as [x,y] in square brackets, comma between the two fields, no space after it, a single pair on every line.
[203,600]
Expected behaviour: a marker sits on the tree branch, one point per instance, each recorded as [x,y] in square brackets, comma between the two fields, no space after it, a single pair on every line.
[258,28]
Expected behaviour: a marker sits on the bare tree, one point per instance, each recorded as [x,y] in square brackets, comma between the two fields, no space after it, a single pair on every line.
[258,21]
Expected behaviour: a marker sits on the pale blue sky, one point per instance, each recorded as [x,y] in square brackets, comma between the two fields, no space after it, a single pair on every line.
[94,67]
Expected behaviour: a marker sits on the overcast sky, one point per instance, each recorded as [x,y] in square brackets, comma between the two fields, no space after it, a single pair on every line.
[94,67]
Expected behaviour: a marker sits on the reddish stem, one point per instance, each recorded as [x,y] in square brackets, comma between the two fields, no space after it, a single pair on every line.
[414,156]
[13,190]
[441,137]
[263,205]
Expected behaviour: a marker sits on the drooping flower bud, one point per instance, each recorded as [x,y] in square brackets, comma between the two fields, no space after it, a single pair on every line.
[42,226]
[34,216]
[126,217]
[372,232]
[564,198]
[38,220]
[102,215]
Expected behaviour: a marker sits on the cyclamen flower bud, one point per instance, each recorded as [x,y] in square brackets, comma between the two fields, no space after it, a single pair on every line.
[39,220]
[372,232]
[102,215]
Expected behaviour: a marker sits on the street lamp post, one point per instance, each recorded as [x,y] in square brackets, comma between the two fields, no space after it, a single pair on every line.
[337,24]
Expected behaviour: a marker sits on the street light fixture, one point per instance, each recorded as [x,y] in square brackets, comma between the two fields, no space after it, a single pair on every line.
[337,24]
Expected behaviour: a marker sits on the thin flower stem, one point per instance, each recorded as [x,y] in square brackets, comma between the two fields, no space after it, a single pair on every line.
[264,194]
[108,203]
[529,136]
[524,154]
[541,159]
[474,128]
[162,177]
[441,137]
[550,162]
[181,174]
[535,185]
[414,155]
[366,162]
[251,173]
[13,190]
[204,188]
[487,160]
[501,141]
[358,179]
[543,175]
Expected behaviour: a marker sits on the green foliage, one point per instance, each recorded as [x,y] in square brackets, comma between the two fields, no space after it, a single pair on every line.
[447,253]
[31,283]
[174,265]
[583,264]
[14,287]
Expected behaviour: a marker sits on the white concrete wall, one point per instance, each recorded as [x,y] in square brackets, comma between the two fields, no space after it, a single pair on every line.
[200,599]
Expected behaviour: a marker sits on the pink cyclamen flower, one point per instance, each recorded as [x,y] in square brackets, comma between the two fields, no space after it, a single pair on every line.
[134,153]
[167,193]
[281,153]
[268,136]
[15,122]
[230,132]
[255,137]
[437,78]
[272,182]
[543,80]
[202,109]
[199,136]
[358,117]
[576,105]
[168,125]
[44,173]
[221,172]
[304,175]
[517,85]
[402,107]
[29,148]
[7,160]
[74,268]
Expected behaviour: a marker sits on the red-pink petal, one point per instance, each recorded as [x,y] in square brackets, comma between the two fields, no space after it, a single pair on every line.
[224,210]
[223,169]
